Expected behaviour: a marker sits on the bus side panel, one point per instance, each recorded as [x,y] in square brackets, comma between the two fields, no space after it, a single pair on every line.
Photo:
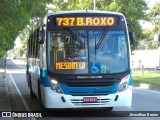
[43,77]
[33,74]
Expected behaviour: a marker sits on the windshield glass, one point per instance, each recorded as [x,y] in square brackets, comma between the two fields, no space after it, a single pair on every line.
[68,51]
[109,54]
[97,51]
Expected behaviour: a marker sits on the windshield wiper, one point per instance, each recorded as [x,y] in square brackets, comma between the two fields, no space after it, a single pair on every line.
[101,38]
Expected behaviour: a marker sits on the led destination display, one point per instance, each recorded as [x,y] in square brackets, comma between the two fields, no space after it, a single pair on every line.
[86,21]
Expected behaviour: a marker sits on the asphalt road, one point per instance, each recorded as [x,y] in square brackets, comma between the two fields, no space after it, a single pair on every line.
[144,101]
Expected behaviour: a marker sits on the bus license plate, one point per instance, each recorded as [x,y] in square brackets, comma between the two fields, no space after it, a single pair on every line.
[90,99]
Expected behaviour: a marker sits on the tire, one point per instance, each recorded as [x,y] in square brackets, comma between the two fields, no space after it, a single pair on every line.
[39,95]
[108,108]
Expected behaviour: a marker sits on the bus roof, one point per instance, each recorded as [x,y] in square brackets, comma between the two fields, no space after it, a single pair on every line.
[80,12]
[83,11]
[43,20]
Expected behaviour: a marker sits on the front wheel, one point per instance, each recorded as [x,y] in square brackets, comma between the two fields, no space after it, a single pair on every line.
[108,108]
[39,95]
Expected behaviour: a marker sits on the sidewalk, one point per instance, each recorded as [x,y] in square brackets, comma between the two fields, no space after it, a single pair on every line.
[4,96]
[146,86]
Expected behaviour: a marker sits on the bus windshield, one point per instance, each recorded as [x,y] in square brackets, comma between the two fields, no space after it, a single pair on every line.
[87,51]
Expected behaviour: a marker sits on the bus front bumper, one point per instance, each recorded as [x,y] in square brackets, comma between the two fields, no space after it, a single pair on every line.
[56,100]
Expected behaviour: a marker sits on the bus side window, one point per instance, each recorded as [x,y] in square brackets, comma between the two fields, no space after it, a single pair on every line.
[52,48]
[32,45]
[29,46]
[37,44]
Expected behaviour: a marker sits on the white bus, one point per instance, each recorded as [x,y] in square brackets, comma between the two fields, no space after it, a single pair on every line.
[80,59]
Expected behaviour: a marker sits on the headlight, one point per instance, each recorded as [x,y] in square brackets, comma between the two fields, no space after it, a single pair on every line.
[54,85]
[124,83]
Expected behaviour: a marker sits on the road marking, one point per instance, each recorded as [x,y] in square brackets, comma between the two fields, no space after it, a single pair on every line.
[22,98]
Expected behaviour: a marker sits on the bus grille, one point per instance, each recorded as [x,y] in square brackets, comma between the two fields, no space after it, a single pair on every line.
[94,82]
[79,102]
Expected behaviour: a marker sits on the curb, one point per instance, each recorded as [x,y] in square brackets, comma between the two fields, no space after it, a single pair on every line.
[5,102]
[8,98]
[147,86]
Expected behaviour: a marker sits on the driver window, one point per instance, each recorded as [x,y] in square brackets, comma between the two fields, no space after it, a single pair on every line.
[57,47]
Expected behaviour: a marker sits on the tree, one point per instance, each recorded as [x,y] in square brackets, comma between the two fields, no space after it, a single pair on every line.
[15,15]
[134,10]
[154,17]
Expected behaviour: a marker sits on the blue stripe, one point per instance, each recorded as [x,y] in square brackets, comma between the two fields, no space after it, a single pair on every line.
[44,78]
[130,79]
[96,90]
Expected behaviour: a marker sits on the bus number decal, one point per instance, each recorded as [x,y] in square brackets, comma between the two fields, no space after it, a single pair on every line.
[65,21]
[70,65]
[85,21]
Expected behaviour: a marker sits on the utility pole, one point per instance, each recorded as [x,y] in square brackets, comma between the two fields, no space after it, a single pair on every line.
[94,2]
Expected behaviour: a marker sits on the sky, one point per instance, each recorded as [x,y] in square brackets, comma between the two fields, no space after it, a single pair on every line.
[151,3]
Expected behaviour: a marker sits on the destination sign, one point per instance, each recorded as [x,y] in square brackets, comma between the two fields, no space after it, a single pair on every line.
[86,21]
[70,65]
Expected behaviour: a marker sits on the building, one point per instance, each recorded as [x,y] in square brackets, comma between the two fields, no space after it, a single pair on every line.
[147,58]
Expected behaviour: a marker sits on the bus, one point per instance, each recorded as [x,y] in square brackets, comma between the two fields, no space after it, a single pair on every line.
[80,59]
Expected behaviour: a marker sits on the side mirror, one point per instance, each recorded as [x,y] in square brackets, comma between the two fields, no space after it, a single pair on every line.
[132,37]
[41,36]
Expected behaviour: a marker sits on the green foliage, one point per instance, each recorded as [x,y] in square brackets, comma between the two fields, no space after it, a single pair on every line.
[155,18]
[62,5]
[148,35]
[152,45]
[17,14]
[134,10]
[155,11]
[149,77]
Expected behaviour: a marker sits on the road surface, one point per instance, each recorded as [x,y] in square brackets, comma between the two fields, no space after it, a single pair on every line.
[144,101]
